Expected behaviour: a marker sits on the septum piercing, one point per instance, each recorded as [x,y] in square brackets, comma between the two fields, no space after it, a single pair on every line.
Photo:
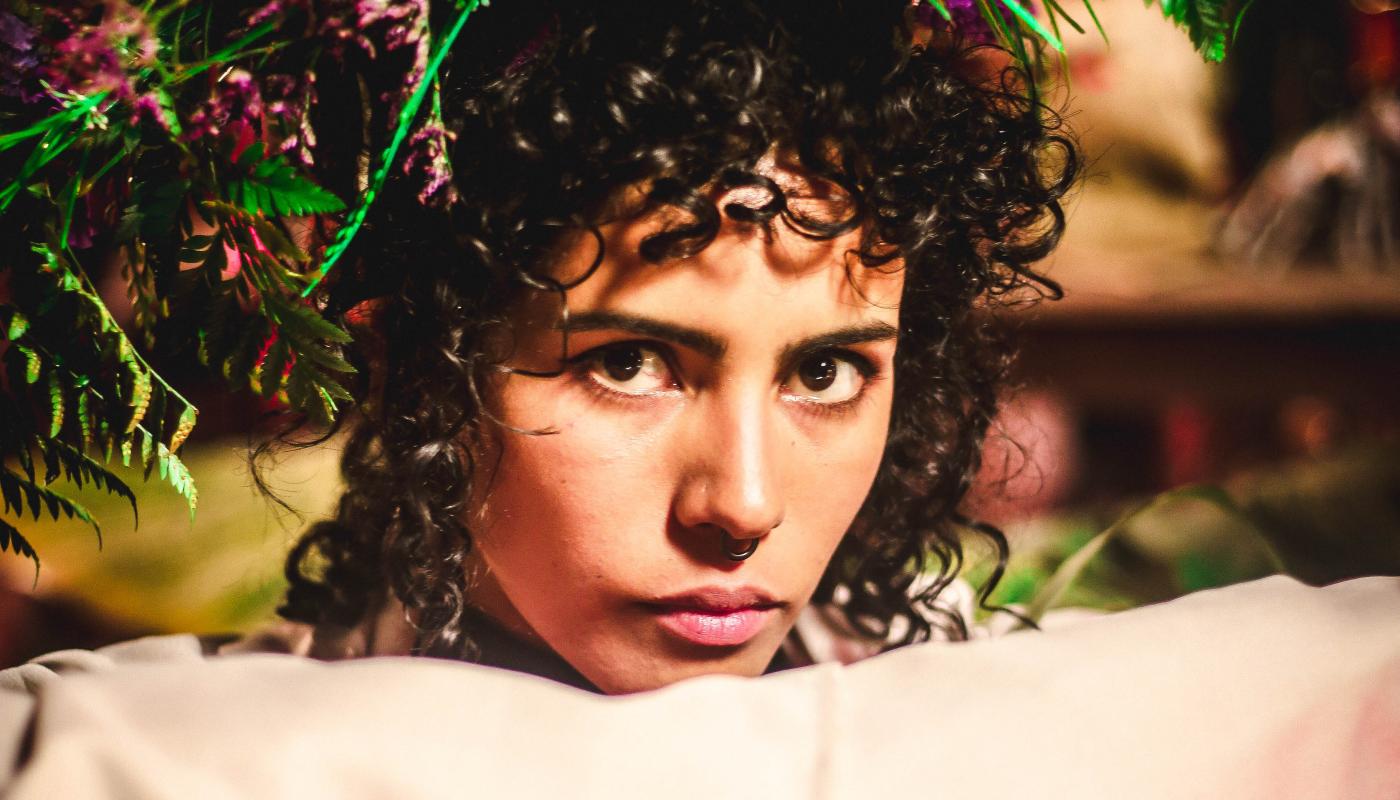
[738,549]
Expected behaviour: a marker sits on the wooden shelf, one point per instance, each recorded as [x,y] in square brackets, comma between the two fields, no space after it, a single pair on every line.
[1151,289]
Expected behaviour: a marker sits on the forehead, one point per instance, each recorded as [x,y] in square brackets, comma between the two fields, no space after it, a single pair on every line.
[755,291]
[748,268]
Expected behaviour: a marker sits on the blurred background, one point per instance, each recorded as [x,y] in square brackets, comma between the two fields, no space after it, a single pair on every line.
[1231,318]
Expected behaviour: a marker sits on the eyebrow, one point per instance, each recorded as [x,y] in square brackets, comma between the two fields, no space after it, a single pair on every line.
[712,346]
[842,337]
[704,343]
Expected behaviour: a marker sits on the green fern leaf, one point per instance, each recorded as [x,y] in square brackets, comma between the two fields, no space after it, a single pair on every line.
[305,395]
[12,497]
[191,253]
[154,422]
[13,323]
[271,186]
[84,420]
[1206,22]
[80,469]
[183,427]
[12,484]
[273,368]
[303,322]
[174,471]
[55,405]
[26,461]
[33,365]
[277,242]
[147,449]
[12,541]
[326,359]
[337,392]
[53,464]
[105,438]
[140,398]
[238,364]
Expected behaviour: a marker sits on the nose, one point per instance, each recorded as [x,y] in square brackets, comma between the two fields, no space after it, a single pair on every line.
[733,472]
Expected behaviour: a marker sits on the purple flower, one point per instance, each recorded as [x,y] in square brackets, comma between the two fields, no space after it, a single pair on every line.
[19,59]
[148,107]
[97,58]
[428,161]
[287,103]
[968,21]
[236,98]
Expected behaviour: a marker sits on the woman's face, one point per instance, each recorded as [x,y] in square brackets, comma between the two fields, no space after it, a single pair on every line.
[743,392]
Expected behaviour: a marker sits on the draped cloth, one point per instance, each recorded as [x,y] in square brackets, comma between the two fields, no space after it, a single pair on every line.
[1265,690]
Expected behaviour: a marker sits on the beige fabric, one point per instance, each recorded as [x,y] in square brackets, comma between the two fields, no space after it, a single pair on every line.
[1267,690]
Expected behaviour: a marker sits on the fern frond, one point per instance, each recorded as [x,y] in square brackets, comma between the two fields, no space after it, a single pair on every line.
[300,321]
[138,398]
[271,186]
[1207,22]
[55,404]
[183,426]
[174,472]
[80,469]
[11,540]
[33,364]
[13,486]
[273,367]
[306,392]
[13,324]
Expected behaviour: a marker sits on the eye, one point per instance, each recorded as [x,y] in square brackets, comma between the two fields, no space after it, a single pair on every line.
[630,368]
[826,378]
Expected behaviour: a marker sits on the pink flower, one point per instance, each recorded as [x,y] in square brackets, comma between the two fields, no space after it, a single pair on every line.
[968,21]
[428,161]
[19,59]
[148,107]
[236,98]
[288,100]
[102,57]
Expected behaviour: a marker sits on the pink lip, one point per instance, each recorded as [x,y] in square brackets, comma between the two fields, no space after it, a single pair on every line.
[716,617]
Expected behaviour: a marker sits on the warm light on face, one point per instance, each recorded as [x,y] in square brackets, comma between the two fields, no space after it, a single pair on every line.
[745,390]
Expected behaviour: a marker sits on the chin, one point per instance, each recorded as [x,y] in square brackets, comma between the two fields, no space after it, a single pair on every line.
[649,671]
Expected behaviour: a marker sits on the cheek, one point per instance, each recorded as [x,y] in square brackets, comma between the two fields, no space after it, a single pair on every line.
[560,505]
[832,470]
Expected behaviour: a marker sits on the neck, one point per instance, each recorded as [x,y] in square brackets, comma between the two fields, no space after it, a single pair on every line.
[493,645]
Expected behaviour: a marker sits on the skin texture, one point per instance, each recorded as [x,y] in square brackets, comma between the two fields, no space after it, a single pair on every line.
[627,500]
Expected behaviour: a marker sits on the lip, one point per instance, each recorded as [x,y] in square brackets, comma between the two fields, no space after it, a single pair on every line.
[715,616]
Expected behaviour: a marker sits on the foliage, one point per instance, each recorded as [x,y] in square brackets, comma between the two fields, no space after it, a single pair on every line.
[1013,23]
[1208,23]
[1069,571]
[1111,558]
[176,141]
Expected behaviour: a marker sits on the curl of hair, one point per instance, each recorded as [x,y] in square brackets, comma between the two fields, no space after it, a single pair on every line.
[953,179]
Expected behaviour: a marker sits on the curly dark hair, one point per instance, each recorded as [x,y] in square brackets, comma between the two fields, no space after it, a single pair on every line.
[553,110]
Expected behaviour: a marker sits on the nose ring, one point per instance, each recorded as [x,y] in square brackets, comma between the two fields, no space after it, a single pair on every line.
[738,549]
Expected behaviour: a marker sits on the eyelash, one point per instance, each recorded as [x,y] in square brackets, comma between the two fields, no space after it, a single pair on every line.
[582,364]
[869,373]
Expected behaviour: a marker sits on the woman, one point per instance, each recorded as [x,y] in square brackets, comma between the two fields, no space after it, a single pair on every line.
[696,338]
[693,343]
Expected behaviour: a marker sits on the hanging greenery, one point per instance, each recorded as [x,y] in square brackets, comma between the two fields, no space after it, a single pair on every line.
[174,140]
[1027,31]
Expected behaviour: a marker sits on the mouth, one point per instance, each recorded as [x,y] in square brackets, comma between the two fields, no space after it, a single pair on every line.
[715,617]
